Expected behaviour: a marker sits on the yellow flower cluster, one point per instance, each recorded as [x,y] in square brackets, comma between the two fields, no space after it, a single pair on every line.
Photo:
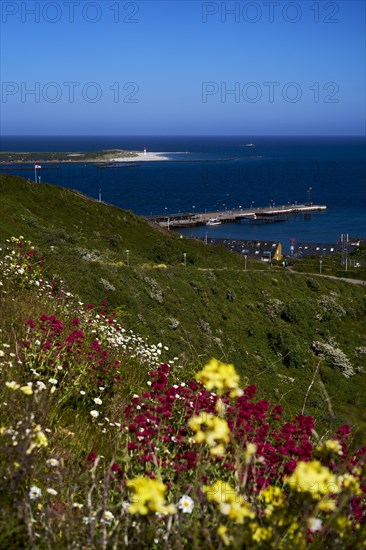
[27,390]
[230,503]
[221,377]
[273,497]
[350,483]
[314,478]
[212,430]
[329,446]
[149,496]
[261,534]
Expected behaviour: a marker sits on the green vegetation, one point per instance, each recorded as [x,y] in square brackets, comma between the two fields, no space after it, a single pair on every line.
[89,156]
[332,265]
[278,328]
[104,445]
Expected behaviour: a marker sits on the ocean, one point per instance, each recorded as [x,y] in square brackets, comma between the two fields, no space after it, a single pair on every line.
[221,172]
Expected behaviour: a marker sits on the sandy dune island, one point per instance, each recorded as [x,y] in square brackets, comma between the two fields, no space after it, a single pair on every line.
[149,156]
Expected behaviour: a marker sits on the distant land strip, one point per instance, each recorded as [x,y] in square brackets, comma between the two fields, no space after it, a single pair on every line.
[84,156]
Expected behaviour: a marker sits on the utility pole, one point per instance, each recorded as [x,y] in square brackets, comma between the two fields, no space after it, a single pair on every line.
[320,265]
[344,249]
[185,259]
[128,258]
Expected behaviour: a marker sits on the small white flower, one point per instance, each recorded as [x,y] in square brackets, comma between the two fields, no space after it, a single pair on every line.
[186,504]
[97,401]
[149,383]
[51,491]
[34,492]
[82,392]
[77,505]
[108,516]
[53,462]
[314,524]
[53,381]
[94,414]
[87,519]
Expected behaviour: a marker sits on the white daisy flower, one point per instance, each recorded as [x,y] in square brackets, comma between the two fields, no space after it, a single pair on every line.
[314,524]
[108,516]
[53,462]
[34,492]
[186,504]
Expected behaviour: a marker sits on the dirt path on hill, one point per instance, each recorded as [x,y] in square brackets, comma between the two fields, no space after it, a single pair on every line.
[333,277]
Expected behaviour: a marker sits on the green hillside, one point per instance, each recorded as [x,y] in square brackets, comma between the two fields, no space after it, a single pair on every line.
[273,325]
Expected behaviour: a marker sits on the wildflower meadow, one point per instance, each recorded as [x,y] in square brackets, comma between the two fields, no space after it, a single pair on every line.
[106,443]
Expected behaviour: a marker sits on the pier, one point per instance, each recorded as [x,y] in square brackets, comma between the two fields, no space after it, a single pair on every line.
[265,214]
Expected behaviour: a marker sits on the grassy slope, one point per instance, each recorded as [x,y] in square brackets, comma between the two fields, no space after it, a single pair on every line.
[222,310]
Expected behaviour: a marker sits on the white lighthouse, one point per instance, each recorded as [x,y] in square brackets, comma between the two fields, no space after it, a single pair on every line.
[145,151]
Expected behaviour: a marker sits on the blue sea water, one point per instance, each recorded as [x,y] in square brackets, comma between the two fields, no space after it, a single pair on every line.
[221,172]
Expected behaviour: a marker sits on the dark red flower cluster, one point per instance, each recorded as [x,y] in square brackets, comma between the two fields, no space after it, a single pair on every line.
[65,346]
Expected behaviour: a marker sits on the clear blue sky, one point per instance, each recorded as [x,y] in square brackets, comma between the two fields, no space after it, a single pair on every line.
[177,61]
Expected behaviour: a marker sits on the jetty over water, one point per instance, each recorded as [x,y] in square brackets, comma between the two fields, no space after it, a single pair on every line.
[265,214]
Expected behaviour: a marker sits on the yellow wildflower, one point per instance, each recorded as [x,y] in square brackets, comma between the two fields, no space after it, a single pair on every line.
[313,478]
[27,390]
[261,534]
[329,446]
[273,497]
[230,503]
[210,429]
[250,451]
[220,376]
[41,439]
[222,532]
[221,491]
[343,524]
[149,496]
[350,483]
[12,385]
[38,440]
[326,505]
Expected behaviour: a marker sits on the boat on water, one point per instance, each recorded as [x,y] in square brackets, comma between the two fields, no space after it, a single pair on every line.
[214,221]
[249,145]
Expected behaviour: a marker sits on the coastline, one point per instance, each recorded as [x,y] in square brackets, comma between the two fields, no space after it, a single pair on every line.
[148,157]
[104,157]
